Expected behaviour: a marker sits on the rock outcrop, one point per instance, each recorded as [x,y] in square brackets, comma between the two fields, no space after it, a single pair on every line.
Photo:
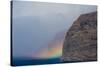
[80,42]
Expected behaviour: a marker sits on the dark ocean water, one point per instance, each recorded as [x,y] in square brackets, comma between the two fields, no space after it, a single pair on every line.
[22,61]
[30,61]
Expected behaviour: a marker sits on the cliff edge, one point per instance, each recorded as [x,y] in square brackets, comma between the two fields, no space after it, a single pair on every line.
[80,42]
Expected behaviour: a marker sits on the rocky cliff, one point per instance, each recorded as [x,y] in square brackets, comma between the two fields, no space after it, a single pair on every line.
[80,42]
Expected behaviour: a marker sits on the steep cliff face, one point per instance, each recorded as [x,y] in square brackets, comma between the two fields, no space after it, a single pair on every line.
[80,42]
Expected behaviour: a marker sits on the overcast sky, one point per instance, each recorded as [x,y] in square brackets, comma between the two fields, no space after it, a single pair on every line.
[36,23]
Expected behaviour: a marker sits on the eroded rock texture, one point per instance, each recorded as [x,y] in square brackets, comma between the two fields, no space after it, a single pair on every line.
[80,42]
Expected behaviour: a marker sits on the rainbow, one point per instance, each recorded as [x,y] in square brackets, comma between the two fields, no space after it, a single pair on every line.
[54,51]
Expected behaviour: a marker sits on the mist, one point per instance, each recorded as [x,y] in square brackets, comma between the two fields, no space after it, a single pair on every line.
[36,23]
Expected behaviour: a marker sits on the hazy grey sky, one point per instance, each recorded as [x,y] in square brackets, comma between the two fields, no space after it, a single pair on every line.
[36,23]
